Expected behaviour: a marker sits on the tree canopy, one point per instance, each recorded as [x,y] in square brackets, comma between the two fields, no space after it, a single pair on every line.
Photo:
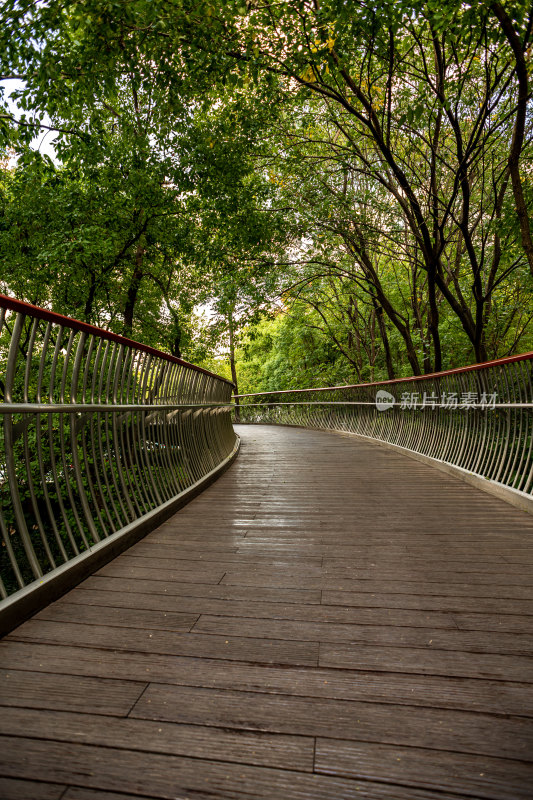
[288,191]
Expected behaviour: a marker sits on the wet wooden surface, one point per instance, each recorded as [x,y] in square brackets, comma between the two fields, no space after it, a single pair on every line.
[329,620]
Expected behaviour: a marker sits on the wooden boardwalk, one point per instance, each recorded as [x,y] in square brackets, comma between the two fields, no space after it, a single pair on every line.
[329,620]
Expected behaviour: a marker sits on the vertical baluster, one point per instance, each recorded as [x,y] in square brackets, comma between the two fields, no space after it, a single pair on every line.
[11,470]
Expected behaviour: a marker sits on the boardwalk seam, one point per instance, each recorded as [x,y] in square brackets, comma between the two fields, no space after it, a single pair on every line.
[127,716]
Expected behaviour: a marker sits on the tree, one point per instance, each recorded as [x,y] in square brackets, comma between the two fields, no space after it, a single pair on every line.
[372,152]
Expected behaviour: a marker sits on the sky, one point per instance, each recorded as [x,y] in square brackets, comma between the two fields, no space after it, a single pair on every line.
[45,141]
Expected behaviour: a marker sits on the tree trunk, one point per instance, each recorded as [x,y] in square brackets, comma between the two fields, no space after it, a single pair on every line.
[353,315]
[176,341]
[133,291]
[232,363]
[433,325]
[89,302]
[480,347]
[385,340]
[519,127]
[372,334]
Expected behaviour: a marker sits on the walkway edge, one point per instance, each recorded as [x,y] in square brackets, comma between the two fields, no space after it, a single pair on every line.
[512,496]
[22,604]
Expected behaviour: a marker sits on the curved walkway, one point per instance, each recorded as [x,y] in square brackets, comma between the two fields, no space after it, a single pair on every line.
[329,620]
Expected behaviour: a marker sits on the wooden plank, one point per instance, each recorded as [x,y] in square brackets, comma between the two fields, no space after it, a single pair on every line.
[519,558]
[72,693]
[139,640]
[15,789]
[387,564]
[392,635]
[482,777]
[156,775]
[423,661]
[180,549]
[174,555]
[506,575]
[218,543]
[222,744]
[445,603]
[164,566]
[157,619]
[79,793]
[518,623]
[412,534]
[498,692]
[265,579]
[439,729]
[468,552]
[119,568]
[220,591]
[351,552]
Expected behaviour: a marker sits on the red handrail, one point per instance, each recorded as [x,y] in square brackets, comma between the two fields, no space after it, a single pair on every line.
[458,370]
[84,327]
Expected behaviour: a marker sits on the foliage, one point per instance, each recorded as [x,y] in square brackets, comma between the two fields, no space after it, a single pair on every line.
[364,167]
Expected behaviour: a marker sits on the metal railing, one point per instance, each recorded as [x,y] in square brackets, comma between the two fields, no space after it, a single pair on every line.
[99,436]
[477,420]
